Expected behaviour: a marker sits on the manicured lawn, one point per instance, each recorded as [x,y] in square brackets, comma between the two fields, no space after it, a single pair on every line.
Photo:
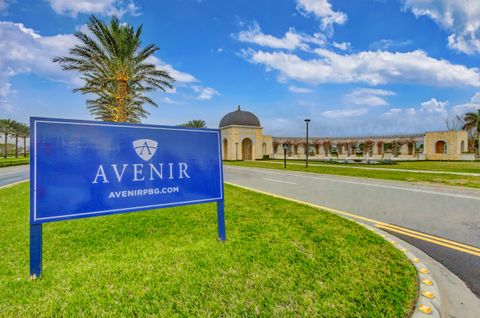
[281,259]
[336,169]
[10,161]
[450,166]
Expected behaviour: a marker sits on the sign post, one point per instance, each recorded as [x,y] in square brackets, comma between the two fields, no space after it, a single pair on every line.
[85,169]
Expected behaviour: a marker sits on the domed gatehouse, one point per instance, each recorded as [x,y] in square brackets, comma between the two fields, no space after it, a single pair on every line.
[242,137]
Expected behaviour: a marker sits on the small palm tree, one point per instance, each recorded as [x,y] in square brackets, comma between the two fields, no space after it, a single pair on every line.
[472,123]
[114,67]
[7,127]
[196,123]
[24,133]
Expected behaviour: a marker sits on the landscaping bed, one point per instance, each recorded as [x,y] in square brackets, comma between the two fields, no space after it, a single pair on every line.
[14,161]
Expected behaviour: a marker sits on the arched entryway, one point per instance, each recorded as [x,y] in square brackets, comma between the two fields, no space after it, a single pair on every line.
[264,149]
[462,146]
[225,149]
[441,147]
[247,149]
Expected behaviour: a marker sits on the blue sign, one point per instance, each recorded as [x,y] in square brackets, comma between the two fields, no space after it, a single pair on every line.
[86,168]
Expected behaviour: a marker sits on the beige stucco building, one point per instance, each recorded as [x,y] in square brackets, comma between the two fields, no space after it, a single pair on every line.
[243,139]
[447,145]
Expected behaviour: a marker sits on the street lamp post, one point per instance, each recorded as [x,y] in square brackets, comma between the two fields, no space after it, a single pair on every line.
[307,121]
[285,147]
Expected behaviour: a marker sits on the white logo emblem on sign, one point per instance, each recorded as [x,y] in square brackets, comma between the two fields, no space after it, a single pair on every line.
[145,148]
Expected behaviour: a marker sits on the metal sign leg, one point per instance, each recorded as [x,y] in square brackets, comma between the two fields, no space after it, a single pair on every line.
[35,250]
[222,236]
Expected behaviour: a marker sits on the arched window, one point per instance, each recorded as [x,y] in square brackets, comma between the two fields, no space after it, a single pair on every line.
[264,149]
[441,147]
[462,146]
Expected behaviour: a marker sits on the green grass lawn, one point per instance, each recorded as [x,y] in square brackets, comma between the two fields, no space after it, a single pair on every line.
[446,179]
[11,161]
[449,166]
[280,259]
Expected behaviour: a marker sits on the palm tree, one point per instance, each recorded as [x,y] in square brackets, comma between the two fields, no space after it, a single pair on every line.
[24,133]
[196,123]
[115,68]
[471,123]
[7,126]
[16,132]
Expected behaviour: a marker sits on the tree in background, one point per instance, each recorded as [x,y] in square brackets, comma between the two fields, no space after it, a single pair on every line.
[196,123]
[24,133]
[396,147]
[114,67]
[471,124]
[14,128]
[7,128]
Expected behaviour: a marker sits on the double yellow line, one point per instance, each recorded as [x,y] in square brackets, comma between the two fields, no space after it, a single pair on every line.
[430,238]
[472,250]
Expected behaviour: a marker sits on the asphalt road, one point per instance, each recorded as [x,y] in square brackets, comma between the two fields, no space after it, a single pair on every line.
[444,212]
[10,175]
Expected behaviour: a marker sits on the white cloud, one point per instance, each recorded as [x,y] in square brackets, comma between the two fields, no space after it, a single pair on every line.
[322,9]
[299,90]
[179,76]
[368,97]
[472,106]
[342,113]
[103,7]
[434,106]
[292,40]
[385,44]
[475,98]
[23,51]
[204,93]
[460,17]
[342,46]
[373,68]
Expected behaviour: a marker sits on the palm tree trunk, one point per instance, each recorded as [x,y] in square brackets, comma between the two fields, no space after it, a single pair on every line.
[6,146]
[25,147]
[122,100]
[16,146]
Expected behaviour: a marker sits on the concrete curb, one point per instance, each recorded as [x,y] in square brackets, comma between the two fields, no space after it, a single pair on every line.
[14,183]
[429,298]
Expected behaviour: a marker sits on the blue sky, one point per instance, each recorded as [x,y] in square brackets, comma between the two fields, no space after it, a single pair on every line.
[354,67]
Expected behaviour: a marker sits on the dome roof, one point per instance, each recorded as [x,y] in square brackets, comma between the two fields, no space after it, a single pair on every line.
[240,117]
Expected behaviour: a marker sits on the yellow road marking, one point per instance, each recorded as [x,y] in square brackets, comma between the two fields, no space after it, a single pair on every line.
[469,247]
[428,240]
[424,237]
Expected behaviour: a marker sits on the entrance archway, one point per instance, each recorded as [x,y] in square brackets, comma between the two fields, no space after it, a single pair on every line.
[441,147]
[225,149]
[264,149]
[462,146]
[247,149]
